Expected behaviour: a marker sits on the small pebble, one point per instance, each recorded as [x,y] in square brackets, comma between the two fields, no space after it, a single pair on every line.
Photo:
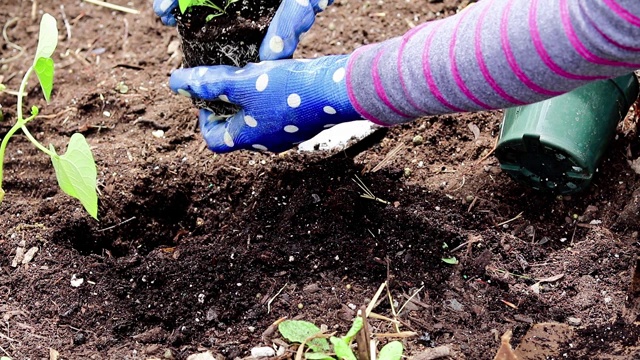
[418,140]
[574,321]
[260,352]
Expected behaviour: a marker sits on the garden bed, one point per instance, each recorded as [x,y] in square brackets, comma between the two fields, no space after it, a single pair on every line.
[201,252]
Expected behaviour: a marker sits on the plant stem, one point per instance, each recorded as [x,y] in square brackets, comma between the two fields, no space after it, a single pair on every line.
[21,121]
[20,124]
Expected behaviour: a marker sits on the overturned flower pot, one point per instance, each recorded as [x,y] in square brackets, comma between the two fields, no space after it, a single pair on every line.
[223,32]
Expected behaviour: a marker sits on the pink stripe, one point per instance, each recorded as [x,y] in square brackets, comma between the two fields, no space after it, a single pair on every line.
[610,40]
[623,13]
[379,87]
[405,39]
[579,47]
[542,52]
[426,69]
[352,96]
[454,65]
[480,59]
[511,59]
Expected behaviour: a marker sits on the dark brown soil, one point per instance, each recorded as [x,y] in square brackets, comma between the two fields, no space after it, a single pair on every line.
[232,38]
[192,246]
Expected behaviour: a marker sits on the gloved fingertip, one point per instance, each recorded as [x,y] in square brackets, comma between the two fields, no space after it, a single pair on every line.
[168,20]
[274,47]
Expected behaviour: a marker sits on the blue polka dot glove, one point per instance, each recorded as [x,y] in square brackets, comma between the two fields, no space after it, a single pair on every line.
[284,102]
[292,19]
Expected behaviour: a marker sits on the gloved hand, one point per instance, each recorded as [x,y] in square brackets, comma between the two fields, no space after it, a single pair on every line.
[292,19]
[284,102]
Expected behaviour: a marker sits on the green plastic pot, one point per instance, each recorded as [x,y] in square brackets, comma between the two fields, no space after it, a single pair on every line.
[557,144]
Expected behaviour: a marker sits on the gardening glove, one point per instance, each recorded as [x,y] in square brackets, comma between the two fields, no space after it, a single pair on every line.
[292,19]
[283,102]
[164,9]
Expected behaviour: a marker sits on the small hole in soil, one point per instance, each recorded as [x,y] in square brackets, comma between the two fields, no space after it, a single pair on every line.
[156,221]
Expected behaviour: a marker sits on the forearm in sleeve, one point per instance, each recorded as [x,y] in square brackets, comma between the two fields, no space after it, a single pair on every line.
[494,54]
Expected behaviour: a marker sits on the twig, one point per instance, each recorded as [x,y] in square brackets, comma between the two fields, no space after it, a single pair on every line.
[66,22]
[374,300]
[367,193]
[53,116]
[511,220]
[382,317]
[461,185]
[473,203]
[387,159]
[125,37]
[393,309]
[274,297]
[400,334]
[5,352]
[409,299]
[113,6]
[320,335]
[495,146]
[10,44]
[116,225]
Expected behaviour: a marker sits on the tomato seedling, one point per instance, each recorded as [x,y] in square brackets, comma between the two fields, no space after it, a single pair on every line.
[76,170]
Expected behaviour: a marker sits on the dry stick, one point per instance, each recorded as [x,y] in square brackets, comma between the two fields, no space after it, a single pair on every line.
[116,225]
[368,194]
[66,22]
[393,309]
[400,334]
[5,352]
[374,300]
[363,336]
[382,317]
[10,44]
[300,352]
[113,6]
[274,297]
[495,146]
[461,185]
[410,298]
[387,159]
[34,9]
[511,220]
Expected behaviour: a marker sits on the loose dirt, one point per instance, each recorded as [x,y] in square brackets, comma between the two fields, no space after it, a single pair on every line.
[196,251]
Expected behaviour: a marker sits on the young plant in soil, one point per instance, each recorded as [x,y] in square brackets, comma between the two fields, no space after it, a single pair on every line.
[222,32]
[75,170]
[309,335]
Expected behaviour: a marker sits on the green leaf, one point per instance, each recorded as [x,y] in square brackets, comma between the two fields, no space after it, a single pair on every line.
[35,111]
[391,351]
[47,38]
[184,5]
[342,349]
[357,325]
[44,70]
[317,356]
[2,88]
[451,260]
[77,173]
[298,331]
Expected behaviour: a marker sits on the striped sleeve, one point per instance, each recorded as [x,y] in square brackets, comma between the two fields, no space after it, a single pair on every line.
[494,54]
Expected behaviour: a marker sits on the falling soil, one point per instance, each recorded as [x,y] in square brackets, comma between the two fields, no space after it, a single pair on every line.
[231,38]
[200,252]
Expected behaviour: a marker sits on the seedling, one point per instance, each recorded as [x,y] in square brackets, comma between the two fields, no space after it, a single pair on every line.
[184,5]
[309,335]
[75,170]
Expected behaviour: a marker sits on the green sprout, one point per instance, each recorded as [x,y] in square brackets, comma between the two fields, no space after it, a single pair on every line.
[306,333]
[75,170]
[184,5]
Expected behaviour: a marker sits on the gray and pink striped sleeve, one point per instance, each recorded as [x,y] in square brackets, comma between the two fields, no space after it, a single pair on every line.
[494,54]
